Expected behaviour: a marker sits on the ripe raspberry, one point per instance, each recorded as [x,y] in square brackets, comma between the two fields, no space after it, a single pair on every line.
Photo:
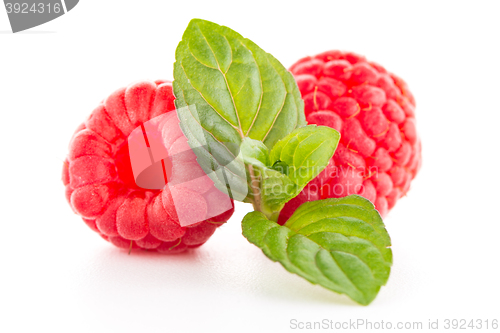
[100,184]
[379,152]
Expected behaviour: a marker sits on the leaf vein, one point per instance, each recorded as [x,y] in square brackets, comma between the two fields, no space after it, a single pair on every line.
[310,153]
[353,254]
[225,78]
[282,105]
[343,272]
[199,92]
[260,100]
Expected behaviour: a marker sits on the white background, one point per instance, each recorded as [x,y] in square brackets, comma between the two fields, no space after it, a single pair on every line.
[58,276]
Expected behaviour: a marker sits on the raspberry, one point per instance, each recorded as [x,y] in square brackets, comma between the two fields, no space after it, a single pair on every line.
[101,188]
[379,152]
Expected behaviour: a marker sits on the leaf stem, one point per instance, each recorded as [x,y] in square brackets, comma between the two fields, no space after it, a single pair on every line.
[255,185]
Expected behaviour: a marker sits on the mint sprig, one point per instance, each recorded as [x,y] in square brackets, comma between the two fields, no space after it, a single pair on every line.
[243,116]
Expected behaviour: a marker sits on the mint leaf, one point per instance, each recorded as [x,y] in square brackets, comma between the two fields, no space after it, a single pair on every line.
[239,89]
[230,89]
[254,152]
[340,244]
[305,152]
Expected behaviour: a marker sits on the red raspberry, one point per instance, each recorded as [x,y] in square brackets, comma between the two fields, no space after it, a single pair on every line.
[100,185]
[379,151]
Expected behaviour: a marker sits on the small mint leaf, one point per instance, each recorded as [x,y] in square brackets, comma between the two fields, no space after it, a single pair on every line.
[306,152]
[340,244]
[276,189]
[254,152]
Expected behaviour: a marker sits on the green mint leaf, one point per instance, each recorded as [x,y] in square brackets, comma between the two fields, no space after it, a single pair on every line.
[238,88]
[305,152]
[340,244]
[254,152]
[228,89]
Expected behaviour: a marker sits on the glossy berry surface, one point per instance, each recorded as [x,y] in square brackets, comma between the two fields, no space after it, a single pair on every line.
[100,185]
[379,152]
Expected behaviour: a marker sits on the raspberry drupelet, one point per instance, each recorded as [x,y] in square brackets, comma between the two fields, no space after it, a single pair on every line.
[379,152]
[100,185]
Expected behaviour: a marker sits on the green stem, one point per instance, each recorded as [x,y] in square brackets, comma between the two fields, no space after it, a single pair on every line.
[255,185]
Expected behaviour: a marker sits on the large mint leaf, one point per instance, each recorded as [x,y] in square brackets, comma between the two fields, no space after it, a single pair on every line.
[305,152]
[231,89]
[340,244]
